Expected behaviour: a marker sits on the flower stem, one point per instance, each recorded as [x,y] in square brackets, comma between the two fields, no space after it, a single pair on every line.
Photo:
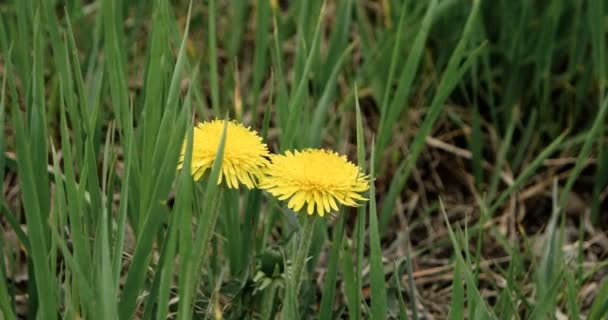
[302,253]
[289,309]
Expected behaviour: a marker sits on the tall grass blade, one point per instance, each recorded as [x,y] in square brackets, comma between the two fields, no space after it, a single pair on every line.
[453,73]
[329,288]
[361,216]
[378,307]
[204,231]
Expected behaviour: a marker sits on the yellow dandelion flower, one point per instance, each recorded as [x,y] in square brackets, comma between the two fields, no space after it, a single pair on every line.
[314,177]
[245,154]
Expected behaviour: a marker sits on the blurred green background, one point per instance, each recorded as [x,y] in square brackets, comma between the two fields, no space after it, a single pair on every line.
[485,120]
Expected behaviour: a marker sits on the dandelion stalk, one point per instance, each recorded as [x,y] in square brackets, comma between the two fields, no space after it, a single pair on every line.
[302,253]
[293,285]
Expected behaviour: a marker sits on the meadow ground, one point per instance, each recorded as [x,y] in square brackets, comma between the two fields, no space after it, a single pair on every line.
[480,124]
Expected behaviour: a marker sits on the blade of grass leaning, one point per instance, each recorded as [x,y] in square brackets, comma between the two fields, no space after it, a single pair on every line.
[392,110]
[115,63]
[457,303]
[204,231]
[320,112]
[166,258]
[400,301]
[15,225]
[361,215]
[29,182]
[339,37]
[527,172]
[395,55]
[62,61]
[378,307]
[571,298]
[154,81]
[232,230]
[548,304]
[154,213]
[185,234]
[525,142]
[85,106]
[164,151]
[183,203]
[454,72]
[296,100]
[37,123]
[599,308]
[107,295]
[79,230]
[592,137]
[476,146]
[410,276]
[548,272]
[501,157]
[329,288]
[80,280]
[349,278]
[473,293]
[122,212]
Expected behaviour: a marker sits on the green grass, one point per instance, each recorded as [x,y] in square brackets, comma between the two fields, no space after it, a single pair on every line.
[481,123]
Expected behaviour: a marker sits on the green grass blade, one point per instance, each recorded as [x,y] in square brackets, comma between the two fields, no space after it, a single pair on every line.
[296,100]
[320,112]
[473,294]
[213,62]
[361,216]
[115,62]
[349,279]
[154,213]
[204,230]
[527,172]
[572,303]
[33,191]
[501,157]
[263,19]
[392,110]
[107,290]
[592,137]
[400,301]
[599,309]
[378,307]
[329,289]
[410,276]
[453,73]
[457,305]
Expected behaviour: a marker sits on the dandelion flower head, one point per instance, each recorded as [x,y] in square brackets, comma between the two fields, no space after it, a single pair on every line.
[245,154]
[315,178]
